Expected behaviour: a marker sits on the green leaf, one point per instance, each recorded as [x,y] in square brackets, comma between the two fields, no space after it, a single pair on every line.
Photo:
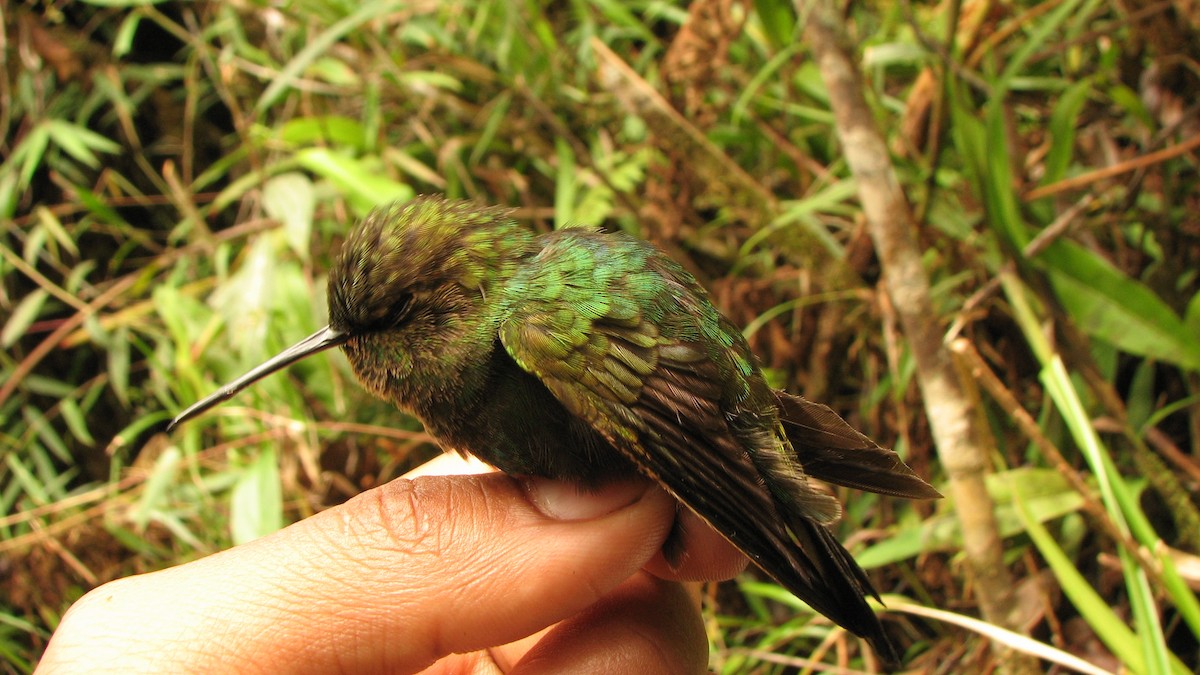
[123,41]
[136,542]
[1109,305]
[79,142]
[23,315]
[34,245]
[331,129]
[246,298]
[289,198]
[498,111]
[136,428]
[76,422]
[78,275]
[565,184]
[118,363]
[1191,316]
[334,71]
[47,386]
[256,504]
[1000,200]
[99,208]
[47,433]
[28,155]
[1131,102]
[1141,398]
[620,14]
[804,211]
[905,544]
[778,19]
[430,79]
[1063,122]
[361,183]
[8,195]
[54,227]
[157,487]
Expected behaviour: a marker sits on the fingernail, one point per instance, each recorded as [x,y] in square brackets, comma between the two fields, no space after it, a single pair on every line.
[568,501]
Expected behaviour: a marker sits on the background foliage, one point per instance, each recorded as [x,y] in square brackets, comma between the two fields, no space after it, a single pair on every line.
[177,175]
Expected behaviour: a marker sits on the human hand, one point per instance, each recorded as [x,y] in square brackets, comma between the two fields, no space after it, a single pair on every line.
[450,574]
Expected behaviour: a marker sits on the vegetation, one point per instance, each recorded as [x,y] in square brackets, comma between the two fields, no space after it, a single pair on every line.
[177,175]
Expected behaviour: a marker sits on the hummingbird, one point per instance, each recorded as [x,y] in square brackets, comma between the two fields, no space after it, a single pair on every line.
[589,357]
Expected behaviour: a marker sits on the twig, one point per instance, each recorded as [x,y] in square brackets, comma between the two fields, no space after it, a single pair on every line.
[1086,179]
[956,425]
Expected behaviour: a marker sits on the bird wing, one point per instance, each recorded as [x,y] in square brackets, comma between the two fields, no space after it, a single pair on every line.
[833,451]
[625,339]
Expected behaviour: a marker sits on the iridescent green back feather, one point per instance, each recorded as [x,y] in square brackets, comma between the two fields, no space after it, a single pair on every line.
[627,340]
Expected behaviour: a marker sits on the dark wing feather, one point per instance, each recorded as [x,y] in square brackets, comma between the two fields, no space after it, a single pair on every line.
[785,541]
[634,354]
[833,451]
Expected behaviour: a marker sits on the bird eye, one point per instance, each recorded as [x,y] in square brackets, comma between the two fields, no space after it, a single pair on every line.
[396,313]
[399,309]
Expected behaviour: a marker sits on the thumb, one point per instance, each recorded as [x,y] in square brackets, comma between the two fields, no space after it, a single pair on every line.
[391,580]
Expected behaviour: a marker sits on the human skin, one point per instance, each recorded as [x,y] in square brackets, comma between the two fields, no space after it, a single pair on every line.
[470,573]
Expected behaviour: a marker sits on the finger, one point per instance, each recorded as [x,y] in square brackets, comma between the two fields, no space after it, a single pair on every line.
[496,660]
[647,625]
[391,580]
[707,555]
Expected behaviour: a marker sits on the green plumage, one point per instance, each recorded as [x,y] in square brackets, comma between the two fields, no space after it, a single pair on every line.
[584,356]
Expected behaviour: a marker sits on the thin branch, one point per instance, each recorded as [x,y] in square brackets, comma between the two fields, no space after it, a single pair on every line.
[954,418]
